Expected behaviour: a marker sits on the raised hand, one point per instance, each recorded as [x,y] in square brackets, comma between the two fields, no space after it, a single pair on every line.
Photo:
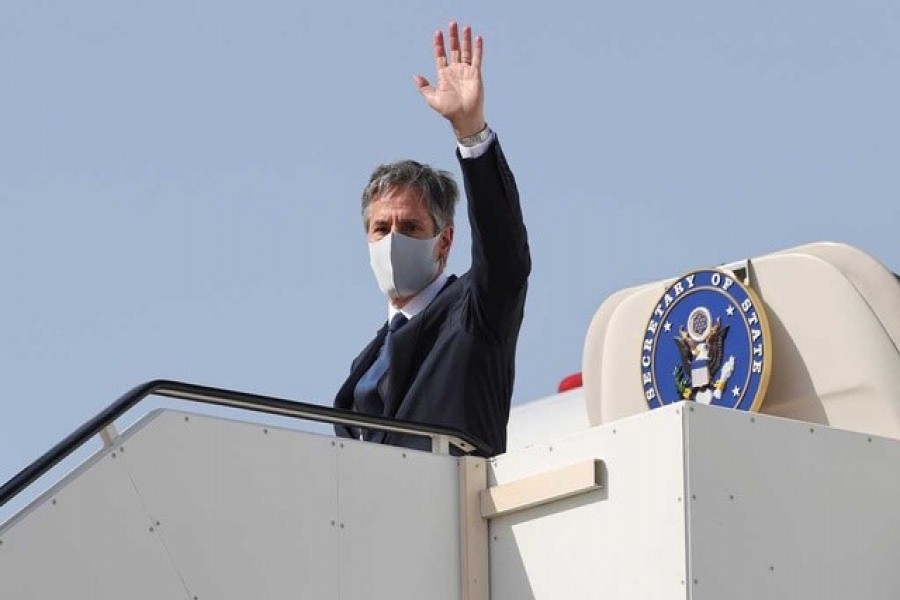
[459,94]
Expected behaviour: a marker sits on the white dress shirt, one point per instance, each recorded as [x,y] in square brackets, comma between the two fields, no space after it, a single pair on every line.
[420,300]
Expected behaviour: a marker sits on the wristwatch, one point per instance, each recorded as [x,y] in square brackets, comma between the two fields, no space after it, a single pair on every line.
[478,138]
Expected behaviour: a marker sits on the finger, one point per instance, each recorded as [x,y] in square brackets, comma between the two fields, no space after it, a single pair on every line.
[467,45]
[479,49]
[454,42]
[440,56]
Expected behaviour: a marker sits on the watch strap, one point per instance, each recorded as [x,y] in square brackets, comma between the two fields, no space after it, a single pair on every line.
[478,138]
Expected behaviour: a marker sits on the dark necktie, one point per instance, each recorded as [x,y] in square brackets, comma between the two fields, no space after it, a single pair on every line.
[368,396]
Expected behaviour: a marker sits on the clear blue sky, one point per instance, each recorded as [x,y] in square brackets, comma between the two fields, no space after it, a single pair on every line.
[179,181]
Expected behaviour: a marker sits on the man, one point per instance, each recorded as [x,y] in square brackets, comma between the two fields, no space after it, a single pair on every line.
[446,355]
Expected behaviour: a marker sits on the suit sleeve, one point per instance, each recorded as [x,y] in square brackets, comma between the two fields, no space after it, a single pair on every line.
[501,260]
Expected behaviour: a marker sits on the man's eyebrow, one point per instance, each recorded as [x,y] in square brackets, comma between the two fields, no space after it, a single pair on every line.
[408,221]
[411,220]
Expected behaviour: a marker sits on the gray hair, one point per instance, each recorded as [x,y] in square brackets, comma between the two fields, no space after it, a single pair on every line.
[439,190]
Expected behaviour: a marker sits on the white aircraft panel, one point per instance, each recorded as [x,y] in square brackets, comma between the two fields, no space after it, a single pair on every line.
[400,523]
[91,539]
[625,541]
[547,419]
[245,510]
[781,509]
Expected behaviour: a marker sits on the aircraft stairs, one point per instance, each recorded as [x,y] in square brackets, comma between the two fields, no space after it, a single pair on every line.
[596,497]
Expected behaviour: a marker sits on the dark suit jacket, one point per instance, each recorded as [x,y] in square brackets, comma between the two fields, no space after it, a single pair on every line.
[453,364]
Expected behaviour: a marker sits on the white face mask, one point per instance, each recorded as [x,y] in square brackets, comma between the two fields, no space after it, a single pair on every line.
[403,265]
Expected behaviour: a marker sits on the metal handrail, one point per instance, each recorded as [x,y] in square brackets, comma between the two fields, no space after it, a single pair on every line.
[440,436]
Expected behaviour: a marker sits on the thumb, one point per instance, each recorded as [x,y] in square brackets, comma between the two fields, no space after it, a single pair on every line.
[425,88]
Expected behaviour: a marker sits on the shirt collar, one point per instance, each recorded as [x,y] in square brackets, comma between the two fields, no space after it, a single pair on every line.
[421,300]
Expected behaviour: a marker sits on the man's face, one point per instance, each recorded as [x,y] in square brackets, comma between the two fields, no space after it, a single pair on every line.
[402,210]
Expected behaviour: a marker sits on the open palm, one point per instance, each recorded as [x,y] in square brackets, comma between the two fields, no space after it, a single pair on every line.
[458,90]
[458,95]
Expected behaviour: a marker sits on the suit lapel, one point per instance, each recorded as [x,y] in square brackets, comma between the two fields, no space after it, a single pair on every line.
[360,366]
[406,356]
[402,360]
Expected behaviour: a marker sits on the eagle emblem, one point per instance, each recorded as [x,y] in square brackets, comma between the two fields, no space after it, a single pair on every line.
[707,340]
[701,347]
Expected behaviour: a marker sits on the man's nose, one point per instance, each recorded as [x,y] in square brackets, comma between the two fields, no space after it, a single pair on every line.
[397,227]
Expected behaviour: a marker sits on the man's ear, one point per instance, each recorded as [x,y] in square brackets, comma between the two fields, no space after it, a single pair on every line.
[443,245]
